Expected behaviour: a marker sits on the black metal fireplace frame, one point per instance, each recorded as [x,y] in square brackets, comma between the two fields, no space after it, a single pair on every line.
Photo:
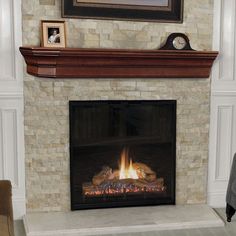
[166,201]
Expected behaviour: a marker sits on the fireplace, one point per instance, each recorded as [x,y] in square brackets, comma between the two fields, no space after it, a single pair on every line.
[122,153]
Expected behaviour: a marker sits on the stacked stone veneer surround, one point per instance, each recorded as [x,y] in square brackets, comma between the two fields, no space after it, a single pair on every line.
[46,100]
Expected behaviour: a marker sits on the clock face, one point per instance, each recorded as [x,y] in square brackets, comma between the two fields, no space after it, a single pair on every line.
[179,42]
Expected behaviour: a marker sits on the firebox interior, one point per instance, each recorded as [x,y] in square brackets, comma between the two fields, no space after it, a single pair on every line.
[122,153]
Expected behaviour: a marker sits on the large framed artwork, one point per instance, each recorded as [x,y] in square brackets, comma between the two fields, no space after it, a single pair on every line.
[136,10]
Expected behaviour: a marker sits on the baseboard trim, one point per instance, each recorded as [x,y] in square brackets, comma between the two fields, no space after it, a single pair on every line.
[216,199]
[19,207]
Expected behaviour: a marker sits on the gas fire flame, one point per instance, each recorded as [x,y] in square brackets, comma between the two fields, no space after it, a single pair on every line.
[126,167]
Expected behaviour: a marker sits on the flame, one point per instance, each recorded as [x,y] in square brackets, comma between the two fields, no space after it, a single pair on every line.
[126,167]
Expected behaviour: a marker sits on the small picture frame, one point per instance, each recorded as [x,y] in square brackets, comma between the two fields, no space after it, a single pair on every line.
[53,34]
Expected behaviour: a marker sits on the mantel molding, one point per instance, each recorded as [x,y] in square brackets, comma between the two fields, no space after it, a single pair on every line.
[117,63]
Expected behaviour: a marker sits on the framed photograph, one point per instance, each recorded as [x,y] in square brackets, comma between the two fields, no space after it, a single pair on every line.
[53,34]
[136,10]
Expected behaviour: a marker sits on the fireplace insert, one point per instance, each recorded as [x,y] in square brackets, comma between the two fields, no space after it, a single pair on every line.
[122,153]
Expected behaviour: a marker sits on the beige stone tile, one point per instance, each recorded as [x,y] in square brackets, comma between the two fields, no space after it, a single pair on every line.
[46,101]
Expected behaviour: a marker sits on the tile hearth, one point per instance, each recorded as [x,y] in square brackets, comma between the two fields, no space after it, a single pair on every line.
[121,220]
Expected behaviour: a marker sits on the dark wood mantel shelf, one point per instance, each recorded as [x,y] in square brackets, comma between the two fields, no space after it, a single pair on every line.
[115,63]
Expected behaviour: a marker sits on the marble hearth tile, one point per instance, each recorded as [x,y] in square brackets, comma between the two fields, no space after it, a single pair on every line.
[121,220]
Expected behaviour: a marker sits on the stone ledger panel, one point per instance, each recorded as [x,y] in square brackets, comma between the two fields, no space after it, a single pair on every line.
[47,109]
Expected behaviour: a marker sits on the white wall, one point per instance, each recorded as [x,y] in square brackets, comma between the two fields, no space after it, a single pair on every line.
[223,102]
[11,102]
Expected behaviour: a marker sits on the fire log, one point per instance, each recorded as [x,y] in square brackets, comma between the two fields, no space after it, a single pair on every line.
[144,171]
[118,186]
[103,175]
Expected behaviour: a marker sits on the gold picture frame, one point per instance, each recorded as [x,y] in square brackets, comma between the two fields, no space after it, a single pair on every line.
[53,34]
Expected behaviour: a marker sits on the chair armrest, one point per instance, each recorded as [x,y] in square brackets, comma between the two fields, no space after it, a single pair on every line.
[6,199]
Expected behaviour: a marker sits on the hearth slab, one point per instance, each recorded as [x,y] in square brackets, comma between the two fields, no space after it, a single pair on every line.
[120,220]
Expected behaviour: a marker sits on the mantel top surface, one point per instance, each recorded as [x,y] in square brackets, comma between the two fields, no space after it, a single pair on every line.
[117,51]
